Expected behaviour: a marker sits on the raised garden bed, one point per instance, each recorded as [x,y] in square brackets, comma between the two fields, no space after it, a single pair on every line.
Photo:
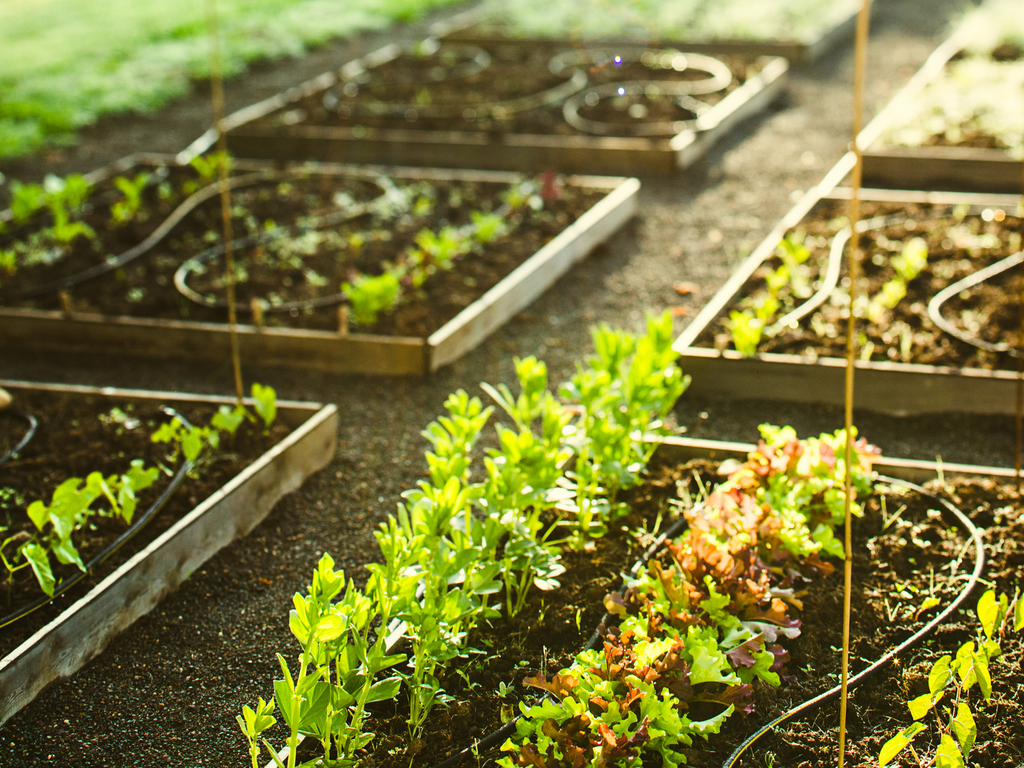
[892,578]
[512,106]
[86,429]
[798,31]
[465,251]
[954,126]
[908,364]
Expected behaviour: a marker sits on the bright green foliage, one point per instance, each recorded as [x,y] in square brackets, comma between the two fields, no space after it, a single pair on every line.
[67,63]
[955,676]
[265,403]
[368,296]
[788,283]
[454,544]
[64,199]
[125,210]
[343,653]
[70,510]
[626,391]
[193,440]
[908,265]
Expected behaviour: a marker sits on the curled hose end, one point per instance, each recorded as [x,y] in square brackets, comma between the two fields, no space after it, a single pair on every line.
[913,641]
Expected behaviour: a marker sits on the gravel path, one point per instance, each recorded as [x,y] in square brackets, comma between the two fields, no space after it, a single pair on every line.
[167,690]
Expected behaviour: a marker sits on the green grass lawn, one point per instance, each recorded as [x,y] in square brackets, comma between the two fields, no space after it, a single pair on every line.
[64,63]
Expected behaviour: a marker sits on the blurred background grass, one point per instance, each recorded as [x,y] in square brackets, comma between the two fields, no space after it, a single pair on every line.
[64,63]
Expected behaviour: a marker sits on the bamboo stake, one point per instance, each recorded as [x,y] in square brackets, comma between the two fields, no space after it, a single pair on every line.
[217,96]
[859,67]
[1019,441]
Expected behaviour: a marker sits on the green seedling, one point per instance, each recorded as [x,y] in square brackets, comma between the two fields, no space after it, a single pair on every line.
[950,682]
[125,209]
[369,296]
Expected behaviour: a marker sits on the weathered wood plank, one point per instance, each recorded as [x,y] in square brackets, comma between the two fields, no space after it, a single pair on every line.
[533,277]
[86,627]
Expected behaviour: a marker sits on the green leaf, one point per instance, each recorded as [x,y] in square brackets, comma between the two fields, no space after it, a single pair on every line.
[1018,615]
[384,689]
[66,553]
[192,444]
[921,706]
[40,563]
[948,754]
[939,675]
[964,727]
[266,403]
[988,612]
[38,513]
[984,678]
[898,743]
[329,628]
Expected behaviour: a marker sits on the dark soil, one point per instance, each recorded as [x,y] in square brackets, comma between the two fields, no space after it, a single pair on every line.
[80,434]
[400,95]
[878,708]
[957,246]
[307,265]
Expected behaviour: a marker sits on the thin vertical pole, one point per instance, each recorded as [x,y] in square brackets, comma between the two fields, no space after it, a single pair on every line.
[1019,441]
[217,95]
[859,67]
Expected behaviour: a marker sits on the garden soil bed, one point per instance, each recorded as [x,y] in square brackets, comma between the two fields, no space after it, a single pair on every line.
[895,569]
[906,363]
[878,708]
[83,430]
[300,233]
[932,142]
[81,434]
[510,105]
[958,245]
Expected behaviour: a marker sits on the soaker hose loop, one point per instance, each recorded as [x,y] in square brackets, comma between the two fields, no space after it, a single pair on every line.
[158,234]
[935,305]
[277,233]
[830,695]
[114,546]
[32,426]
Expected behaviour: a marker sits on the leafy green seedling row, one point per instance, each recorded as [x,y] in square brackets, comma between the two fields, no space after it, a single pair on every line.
[76,502]
[459,551]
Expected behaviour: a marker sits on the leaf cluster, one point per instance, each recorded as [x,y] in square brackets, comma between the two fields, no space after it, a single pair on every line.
[951,680]
[703,621]
[454,544]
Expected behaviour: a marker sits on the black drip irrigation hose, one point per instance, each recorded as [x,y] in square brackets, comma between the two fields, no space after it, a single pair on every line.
[497,737]
[32,426]
[116,262]
[181,275]
[114,546]
[935,305]
[913,641]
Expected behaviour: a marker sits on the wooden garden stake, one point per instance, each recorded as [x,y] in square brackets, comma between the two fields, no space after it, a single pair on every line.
[217,95]
[256,307]
[1019,442]
[343,319]
[859,66]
